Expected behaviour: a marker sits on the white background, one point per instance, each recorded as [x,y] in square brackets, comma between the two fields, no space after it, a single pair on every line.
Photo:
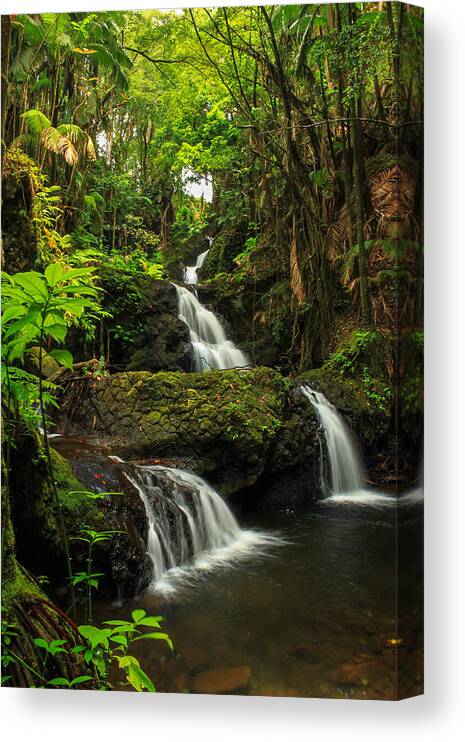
[90,716]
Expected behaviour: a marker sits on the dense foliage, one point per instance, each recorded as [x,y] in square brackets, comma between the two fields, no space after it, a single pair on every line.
[306,121]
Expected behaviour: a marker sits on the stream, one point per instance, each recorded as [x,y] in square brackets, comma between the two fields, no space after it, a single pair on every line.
[311,617]
[272,602]
[296,604]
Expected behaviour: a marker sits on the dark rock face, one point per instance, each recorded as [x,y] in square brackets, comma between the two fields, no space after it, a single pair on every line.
[143,331]
[122,560]
[241,430]
[18,237]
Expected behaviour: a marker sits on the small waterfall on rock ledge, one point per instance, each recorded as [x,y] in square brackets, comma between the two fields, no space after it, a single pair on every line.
[211,347]
[190,271]
[346,470]
[347,476]
[190,527]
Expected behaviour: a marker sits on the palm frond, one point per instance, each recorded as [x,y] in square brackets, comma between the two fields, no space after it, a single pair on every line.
[35,121]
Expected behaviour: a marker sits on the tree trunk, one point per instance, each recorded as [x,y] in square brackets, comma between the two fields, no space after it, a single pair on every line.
[6,38]
[359,181]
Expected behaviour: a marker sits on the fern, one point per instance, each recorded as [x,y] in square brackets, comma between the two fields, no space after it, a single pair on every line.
[36,122]
[60,140]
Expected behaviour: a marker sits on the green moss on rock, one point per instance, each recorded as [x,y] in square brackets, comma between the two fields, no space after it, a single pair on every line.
[222,420]
[38,536]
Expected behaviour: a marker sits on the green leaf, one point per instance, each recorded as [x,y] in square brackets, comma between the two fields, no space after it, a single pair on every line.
[39,642]
[117,623]
[54,273]
[83,290]
[80,273]
[151,621]
[80,679]
[95,636]
[63,357]
[28,321]
[35,121]
[78,648]
[138,614]
[81,577]
[59,681]
[18,310]
[33,283]
[57,332]
[75,306]
[139,679]
[156,635]
[119,640]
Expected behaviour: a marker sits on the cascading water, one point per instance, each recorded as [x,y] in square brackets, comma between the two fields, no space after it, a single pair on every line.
[190,527]
[210,346]
[346,471]
[347,476]
[191,271]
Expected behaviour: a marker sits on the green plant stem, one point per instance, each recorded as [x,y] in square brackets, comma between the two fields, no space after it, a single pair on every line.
[50,466]
[89,587]
[25,664]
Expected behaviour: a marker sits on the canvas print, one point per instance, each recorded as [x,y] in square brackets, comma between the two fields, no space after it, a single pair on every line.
[212,323]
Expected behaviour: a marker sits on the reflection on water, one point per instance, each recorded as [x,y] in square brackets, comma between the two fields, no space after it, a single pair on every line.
[314,616]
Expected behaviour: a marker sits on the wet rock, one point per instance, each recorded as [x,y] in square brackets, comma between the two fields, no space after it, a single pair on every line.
[143,331]
[122,559]
[238,429]
[368,671]
[306,652]
[224,680]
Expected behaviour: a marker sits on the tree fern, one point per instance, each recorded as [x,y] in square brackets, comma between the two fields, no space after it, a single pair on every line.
[35,121]
[64,140]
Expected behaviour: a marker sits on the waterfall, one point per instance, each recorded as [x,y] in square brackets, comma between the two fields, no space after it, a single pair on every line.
[190,527]
[210,346]
[347,476]
[346,470]
[190,271]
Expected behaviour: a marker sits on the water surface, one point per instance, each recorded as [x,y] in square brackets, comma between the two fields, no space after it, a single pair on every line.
[312,614]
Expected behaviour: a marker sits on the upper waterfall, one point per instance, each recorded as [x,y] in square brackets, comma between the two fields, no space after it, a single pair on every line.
[211,347]
[190,271]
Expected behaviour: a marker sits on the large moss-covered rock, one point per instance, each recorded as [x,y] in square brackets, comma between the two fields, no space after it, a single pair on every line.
[20,183]
[239,429]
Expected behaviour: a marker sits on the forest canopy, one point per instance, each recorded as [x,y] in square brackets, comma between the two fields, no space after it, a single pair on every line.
[270,155]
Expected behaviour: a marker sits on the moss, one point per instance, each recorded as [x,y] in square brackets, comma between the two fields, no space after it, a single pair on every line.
[38,536]
[79,510]
[219,418]
[225,247]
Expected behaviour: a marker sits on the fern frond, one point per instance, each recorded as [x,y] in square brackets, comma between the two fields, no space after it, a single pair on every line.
[50,138]
[35,121]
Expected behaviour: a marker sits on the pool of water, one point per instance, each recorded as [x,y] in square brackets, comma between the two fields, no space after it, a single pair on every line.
[311,613]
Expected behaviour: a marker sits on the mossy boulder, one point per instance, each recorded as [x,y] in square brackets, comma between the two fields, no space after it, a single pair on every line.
[239,429]
[38,536]
[20,183]
[226,245]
